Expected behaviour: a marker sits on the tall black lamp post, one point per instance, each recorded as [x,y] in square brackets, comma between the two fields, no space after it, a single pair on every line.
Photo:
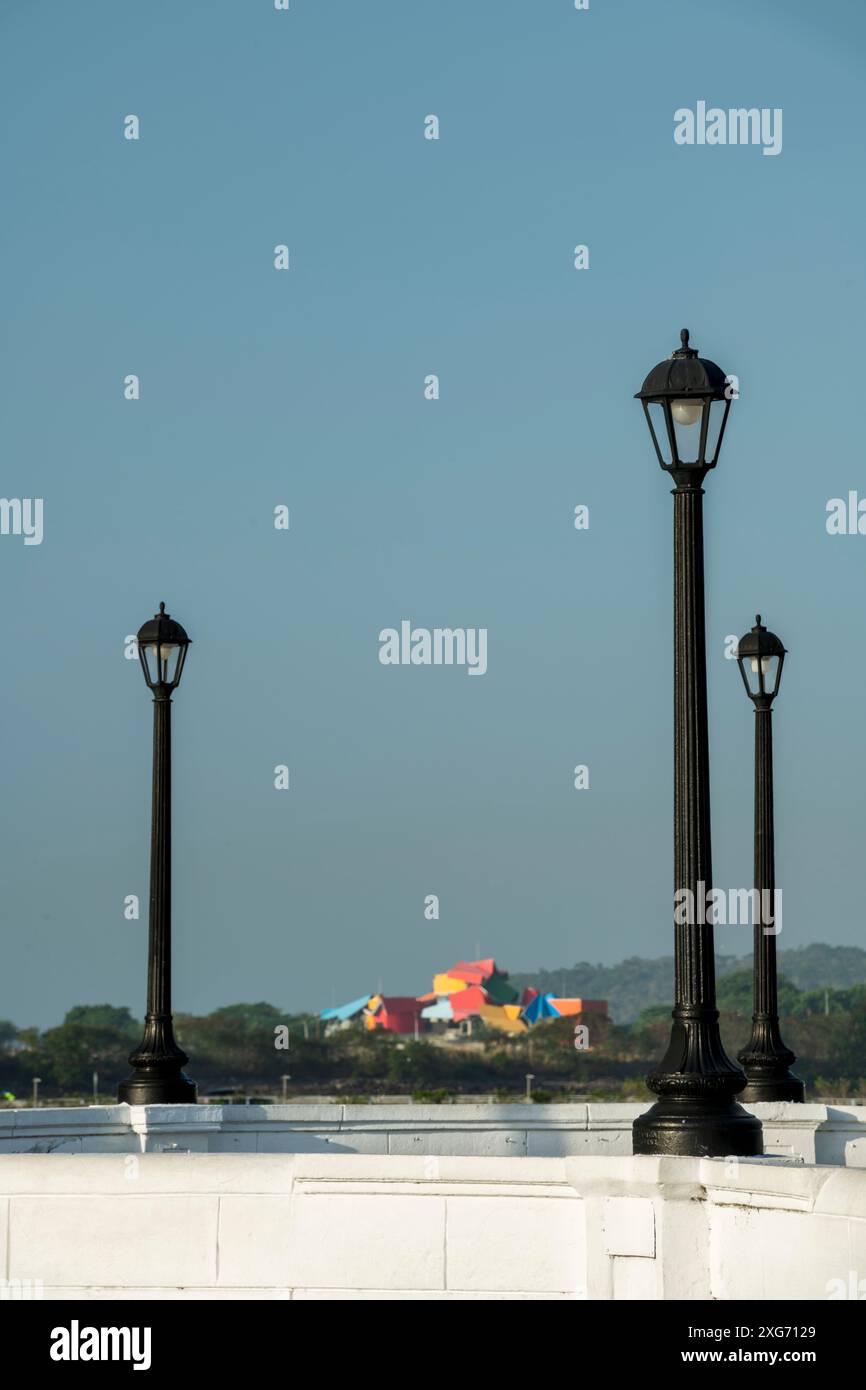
[686,403]
[158,1062]
[766,1059]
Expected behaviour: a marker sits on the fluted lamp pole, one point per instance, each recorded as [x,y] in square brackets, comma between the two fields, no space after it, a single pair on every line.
[766,1060]
[158,1062]
[686,402]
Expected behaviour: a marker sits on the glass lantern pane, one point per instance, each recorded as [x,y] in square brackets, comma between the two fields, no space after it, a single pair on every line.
[686,416]
[168,661]
[770,666]
[714,428]
[153,655]
[750,676]
[761,673]
[656,416]
[148,661]
[181,658]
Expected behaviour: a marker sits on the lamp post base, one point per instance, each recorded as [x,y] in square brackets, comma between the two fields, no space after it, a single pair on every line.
[769,1088]
[153,1086]
[697,1128]
[157,1068]
[766,1062]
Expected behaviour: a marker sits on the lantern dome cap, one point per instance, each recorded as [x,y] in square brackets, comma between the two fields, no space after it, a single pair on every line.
[760,642]
[684,373]
[162,628]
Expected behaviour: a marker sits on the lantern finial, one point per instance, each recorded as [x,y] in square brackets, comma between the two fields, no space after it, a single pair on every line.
[684,351]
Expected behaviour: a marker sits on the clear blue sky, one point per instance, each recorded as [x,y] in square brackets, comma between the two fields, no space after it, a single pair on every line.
[411,257]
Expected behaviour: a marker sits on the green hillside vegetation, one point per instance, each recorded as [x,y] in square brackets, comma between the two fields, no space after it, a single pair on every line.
[233,1047]
[635,983]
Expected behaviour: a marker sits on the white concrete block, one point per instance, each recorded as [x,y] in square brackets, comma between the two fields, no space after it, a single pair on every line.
[826,1134]
[775,1254]
[35,1143]
[175,1141]
[255,1239]
[228,1143]
[682,1248]
[435,1115]
[841,1191]
[127,1143]
[526,1244]
[114,1241]
[572,1115]
[853,1153]
[179,1116]
[434,1226]
[294,1113]
[629,1226]
[70,1118]
[358,1242]
[762,1182]
[615,1115]
[120,1174]
[322,1142]
[563,1143]
[635,1278]
[483,1143]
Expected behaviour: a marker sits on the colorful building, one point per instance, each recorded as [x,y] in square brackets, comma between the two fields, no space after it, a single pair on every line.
[568,1007]
[395,1013]
[469,989]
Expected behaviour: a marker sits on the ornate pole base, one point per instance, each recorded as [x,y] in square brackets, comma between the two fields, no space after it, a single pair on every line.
[157,1086]
[158,1078]
[697,1129]
[766,1066]
[776,1088]
[696,1115]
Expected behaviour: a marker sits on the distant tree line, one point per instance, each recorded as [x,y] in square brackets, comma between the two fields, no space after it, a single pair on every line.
[237,1047]
[632,985]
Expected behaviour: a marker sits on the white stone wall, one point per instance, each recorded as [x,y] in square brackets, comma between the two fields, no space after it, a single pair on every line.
[335,1226]
[813,1133]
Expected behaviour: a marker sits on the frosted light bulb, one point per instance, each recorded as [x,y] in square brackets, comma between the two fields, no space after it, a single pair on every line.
[686,412]
[765,665]
[162,652]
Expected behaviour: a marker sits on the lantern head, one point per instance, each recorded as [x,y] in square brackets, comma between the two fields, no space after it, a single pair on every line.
[686,400]
[162,648]
[760,656]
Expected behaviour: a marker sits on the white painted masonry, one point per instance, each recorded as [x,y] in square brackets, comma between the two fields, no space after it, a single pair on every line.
[336,1226]
[812,1133]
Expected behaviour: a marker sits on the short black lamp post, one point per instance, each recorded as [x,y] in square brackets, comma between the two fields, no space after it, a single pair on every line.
[766,1059]
[686,401]
[158,1062]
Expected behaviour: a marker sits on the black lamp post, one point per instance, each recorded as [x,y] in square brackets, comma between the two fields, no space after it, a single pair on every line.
[158,1062]
[686,405]
[766,1059]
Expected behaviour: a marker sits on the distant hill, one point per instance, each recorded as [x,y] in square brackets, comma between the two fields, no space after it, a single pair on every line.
[636,983]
